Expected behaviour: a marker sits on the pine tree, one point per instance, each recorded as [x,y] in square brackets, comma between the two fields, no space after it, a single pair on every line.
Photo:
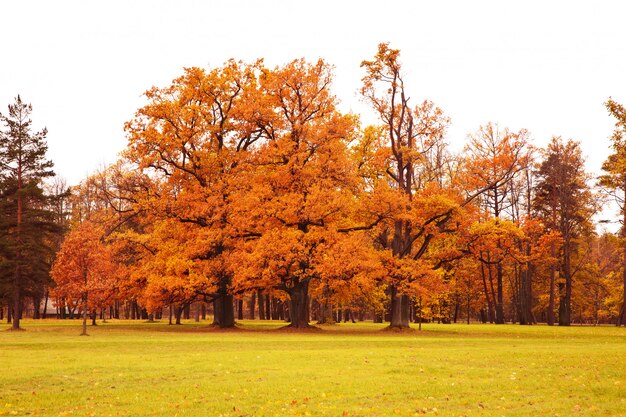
[26,219]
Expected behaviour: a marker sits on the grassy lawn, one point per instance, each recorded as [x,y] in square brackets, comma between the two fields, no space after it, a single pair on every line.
[141,369]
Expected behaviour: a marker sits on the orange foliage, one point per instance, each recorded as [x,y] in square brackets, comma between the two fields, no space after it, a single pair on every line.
[84,267]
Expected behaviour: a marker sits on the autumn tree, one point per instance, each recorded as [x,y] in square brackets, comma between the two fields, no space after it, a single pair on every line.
[296,207]
[190,138]
[565,204]
[497,156]
[429,202]
[27,222]
[84,270]
[615,180]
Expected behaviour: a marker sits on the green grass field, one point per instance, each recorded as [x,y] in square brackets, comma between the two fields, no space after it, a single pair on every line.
[142,369]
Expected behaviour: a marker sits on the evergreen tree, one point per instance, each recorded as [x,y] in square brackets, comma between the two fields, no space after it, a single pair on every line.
[26,223]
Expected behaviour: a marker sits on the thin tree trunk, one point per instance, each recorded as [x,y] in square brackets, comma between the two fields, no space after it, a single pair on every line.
[84,333]
[240,309]
[178,313]
[500,299]
[565,289]
[469,299]
[487,298]
[44,312]
[17,304]
[261,306]
[622,317]
[252,306]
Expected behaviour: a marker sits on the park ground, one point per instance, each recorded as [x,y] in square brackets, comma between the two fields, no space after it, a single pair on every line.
[151,369]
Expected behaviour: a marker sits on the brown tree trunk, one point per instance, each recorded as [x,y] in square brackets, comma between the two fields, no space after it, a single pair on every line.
[526,295]
[240,309]
[326,315]
[622,317]
[261,306]
[299,306]
[565,289]
[252,306]
[17,304]
[84,333]
[223,311]
[36,305]
[487,297]
[44,312]
[399,310]
[500,298]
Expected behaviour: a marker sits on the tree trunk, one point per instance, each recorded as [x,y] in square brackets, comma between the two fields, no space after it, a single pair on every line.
[419,320]
[457,308]
[622,317]
[563,313]
[487,297]
[223,311]
[299,306]
[500,299]
[178,313]
[44,312]
[36,305]
[565,289]
[326,315]
[261,306]
[240,309]
[399,310]
[252,306]
[551,301]
[84,333]
[526,295]
[17,304]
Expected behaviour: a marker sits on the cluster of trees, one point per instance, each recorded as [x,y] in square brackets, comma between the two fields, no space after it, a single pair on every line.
[245,184]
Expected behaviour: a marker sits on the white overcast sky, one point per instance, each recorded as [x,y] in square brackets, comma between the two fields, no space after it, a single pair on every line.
[547,66]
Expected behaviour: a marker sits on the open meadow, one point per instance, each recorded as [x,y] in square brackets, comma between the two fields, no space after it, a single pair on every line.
[141,369]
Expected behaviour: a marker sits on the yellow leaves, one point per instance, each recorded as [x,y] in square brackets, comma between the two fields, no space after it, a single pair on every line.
[499,238]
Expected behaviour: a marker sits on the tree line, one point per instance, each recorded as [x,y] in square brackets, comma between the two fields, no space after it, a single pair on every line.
[244,184]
